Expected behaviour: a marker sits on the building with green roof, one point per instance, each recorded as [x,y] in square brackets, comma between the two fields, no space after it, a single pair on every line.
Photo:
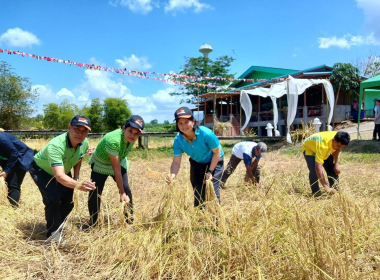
[311,104]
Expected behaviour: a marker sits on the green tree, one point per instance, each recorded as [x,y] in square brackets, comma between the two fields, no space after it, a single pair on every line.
[59,116]
[95,114]
[345,77]
[154,122]
[166,122]
[51,115]
[203,67]
[116,112]
[36,122]
[17,98]
[67,112]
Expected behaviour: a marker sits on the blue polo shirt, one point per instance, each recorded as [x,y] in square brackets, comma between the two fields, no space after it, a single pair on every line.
[201,149]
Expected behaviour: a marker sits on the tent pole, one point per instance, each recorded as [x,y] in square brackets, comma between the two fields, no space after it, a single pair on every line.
[360,111]
[241,132]
[198,104]
[214,115]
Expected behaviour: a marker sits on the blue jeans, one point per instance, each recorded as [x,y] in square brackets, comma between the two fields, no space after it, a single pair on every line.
[197,174]
[328,165]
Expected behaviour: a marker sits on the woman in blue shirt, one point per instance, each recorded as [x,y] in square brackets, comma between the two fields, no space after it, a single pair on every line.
[205,151]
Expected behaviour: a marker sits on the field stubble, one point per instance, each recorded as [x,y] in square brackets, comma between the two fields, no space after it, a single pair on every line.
[276,232]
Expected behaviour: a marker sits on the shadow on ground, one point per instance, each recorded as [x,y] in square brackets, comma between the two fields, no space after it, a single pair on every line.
[33,231]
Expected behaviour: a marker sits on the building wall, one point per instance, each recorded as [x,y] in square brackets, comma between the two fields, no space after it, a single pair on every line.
[342,113]
[369,95]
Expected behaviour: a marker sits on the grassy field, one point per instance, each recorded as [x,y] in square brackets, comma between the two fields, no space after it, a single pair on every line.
[276,232]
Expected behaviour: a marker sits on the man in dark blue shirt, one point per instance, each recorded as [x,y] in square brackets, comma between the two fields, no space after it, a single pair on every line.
[15,160]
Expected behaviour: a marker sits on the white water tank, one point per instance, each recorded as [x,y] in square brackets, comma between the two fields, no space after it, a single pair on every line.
[205,49]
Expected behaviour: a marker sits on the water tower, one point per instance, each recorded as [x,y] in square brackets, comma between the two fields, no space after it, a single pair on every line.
[205,49]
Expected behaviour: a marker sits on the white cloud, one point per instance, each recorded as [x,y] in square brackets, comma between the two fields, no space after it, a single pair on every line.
[47,95]
[99,84]
[17,37]
[182,5]
[165,105]
[94,61]
[371,9]
[45,92]
[159,105]
[348,41]
[137,6]
[65,92]
[134,63]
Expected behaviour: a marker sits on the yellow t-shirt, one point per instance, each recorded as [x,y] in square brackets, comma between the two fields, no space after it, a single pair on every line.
[319,145]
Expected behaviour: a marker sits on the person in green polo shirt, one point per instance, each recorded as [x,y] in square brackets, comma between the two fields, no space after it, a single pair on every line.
[51,171]
[110,159]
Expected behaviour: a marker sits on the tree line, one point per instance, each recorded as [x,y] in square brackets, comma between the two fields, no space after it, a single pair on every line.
[104,116]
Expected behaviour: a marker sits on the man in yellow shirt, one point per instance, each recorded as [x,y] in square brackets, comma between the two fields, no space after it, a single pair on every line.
[321,150]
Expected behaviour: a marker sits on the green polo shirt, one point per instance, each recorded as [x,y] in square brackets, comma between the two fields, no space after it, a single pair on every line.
[60,152]
[113,143]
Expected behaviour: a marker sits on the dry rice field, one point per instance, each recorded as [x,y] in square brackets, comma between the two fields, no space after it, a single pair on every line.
[276,232]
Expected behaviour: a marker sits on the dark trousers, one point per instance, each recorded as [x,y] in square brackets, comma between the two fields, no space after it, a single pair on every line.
[231,166]
[376,132]
[14,181]
[197,179]
[328,165]
[94,197]
[57,198]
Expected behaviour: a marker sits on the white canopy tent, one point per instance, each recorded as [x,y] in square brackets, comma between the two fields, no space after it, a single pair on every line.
[292,87]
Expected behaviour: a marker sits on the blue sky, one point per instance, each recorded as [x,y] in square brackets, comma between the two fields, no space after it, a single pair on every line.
[155,36]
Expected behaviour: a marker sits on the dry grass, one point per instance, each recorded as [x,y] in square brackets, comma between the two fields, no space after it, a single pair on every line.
[277,232]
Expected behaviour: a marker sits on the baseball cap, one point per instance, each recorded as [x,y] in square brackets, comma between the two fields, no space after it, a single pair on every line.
[183,112]
[262,148]
[80,120]
[376,99]
[136,121]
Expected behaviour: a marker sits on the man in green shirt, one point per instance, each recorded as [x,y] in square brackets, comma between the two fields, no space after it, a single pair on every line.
[110,159]
[51,171]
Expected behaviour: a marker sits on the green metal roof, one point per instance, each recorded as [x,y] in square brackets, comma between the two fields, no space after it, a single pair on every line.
[295,73]
[267,70]
[261,72]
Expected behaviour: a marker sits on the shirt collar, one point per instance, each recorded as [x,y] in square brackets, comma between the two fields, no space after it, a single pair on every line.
[68,142]
[122,137]
[196,132]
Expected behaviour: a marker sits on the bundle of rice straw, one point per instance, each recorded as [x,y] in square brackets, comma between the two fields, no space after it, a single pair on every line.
[210,193]
[166,204]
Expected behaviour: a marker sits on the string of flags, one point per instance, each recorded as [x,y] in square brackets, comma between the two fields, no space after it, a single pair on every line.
[141,74]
